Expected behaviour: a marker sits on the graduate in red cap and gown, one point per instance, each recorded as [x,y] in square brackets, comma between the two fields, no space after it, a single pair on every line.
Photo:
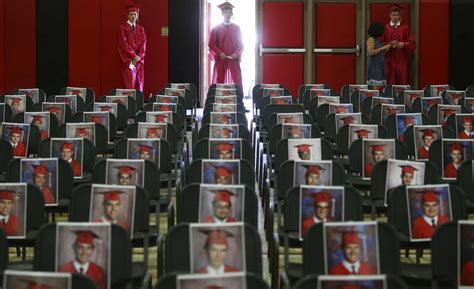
[19,148]
[67,154]
[451,169]
[467,132]
[321,208]
[424,226]
[8,222]
[37,120]
[304,151]
[403,44]
[83,250]
[216,248]
[351,264]
[39,178]
[226,48]
[428,137]
[131,42]
[112,209]
[221,206]
[378,154]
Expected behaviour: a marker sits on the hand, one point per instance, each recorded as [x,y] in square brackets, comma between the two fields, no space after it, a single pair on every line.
[223,55]
[386,48]
[400,44]
[137,58]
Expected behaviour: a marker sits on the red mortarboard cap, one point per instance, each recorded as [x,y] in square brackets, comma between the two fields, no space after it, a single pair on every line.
[86,237]
[105,108]
[456,95]
[75,92]
[224,147]
[378,148]
[52,109]
[144,148]
[427,132]
[429,196]
[7,195]
[165,100]
[362,133]
[132,8]
[160,118]
[321,197]
[313,169]
[16,100]
[152,130]
[111,196]
[303,148]
[350,238]
[467,119]
[413,95]
[81,130]
[126,170]
[96,118]
[67,145]
[225,5]
[340,109]
[40,169]
[407,169]
[432,102]
[222,195]
[280,101]
[440,88]
[369,93]
[222,172]
[408,120]
[16,130]
[37,118]
[218,237]
[348,119]
[448,111]
[456,147]
[164,108]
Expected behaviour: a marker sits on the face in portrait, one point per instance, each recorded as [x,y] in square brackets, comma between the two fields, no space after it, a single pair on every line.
[81,130]
[70,150]
[320,204]
[374,151]
[221,172]
[351,249]
[228,149]
[17,103]
[152,130]
[18,136]
[454,153]
[406,120]
[410,96]
[424,137]
[304,149]
[219,205]
[36,280]
[406,173]
[223,131]
[113,204]
[58,109]
[203,281]
[317,173]
[223,118]
[41,120]
[296,131]
[362,131]
[84,248]
[294,118]
[44,174]
[13,209]
[78,91]
[464,126]
[428,208]
[389,109]
[217,249]
[341,108]
[228,99]
[125,172]
[144,149]
[445,111]
[102,118]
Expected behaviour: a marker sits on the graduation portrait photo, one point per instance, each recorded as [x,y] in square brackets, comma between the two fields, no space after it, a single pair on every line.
[406,120]
[144,149]
[217,248]
[446,110]
[113,204]
[98,117]
[429,206]
[313,173]
[347,119]
[81,130]
[292,117]
[437,90]
[464,125]
[106,107]
[123,99]
[367,93]
[222,107]
[389,109]
[424,136]
[281,100]
[32,93]
[13,202]
[328,99]
[374,151]
[221,205]
[78,91]
[428,102]
[381,100]
[157,106]
[84,248]
[361,131]
[13,279]
[320,204]
[224,172]
[455,97]
[469,104]
[223,130]
[226,99]
[41,120]
[356,87]
[289,131]
[351,248]
[126,92]
[17,103]
[180,92]
[272,91]
[304,149]
[455,151]
[403,173]
[125,172]
[340,108]
[70,150]
[397,88]
[352,282]
[166,99]
[56,108]
[69,100]
[17,134]
[317,92]
[42,172]
[152,130]
[223,117]
[227,281]
[409,96]
[225,149]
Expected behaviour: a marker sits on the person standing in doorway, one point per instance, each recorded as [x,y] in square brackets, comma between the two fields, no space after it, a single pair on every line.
[376,75]
[226,47]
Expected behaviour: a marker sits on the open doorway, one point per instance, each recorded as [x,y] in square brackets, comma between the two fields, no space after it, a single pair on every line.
[244,16]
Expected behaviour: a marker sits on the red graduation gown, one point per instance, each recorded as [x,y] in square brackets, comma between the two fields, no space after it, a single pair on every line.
[396,59]
[368,170]
[94,272]
[120,223]
[227,39]
[19,150]
[463,135]
[132,42]
[43,134]
[467,274]
[76,168]
[11,227]
[48,196]
[450,171]
[227,269]
[423,153]
[422,230]
[365,269]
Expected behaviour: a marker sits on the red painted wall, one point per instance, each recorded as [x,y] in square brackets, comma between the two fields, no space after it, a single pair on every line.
[93,56]
[20,44]
[434,42]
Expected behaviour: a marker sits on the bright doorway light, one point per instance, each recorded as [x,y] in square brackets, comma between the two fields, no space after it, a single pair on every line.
[244,16]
